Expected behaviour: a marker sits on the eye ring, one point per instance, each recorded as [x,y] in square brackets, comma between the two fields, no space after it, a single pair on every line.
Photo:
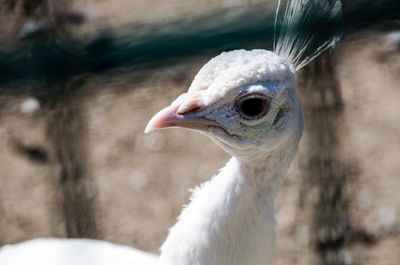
[253,106]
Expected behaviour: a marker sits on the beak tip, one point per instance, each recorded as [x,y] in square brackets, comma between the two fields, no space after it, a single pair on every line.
[161,119]
[150,128]
[147,131]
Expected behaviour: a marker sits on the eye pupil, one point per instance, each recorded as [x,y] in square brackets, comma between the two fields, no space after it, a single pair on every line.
[252,107]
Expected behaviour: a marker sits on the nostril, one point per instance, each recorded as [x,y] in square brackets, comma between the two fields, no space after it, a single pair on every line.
[190,111]
[191,106]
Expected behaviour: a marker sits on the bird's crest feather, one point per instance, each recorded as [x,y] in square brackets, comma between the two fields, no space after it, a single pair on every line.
[306,28]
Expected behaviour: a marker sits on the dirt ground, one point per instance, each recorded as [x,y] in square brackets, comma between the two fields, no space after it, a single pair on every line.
[140,182]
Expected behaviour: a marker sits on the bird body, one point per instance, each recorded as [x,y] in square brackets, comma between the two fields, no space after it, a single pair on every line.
[246,102]
[58,251]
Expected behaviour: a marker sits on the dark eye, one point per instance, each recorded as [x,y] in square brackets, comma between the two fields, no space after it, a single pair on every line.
[253,106]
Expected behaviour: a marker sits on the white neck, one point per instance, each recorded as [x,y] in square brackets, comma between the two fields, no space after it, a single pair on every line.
[230,219]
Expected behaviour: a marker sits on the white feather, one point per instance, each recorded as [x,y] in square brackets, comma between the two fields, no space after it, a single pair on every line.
[73,252]
[308,28]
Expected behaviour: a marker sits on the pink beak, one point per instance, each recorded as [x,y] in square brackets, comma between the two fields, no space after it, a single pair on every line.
[181,113]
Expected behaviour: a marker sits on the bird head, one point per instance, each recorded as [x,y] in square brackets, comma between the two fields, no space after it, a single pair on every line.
[245,101]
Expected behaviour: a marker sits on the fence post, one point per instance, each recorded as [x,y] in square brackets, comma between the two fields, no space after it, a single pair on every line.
[324,168]
[68,134]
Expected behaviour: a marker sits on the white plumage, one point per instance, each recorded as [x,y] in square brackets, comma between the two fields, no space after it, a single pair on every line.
[73,252]
[246,102]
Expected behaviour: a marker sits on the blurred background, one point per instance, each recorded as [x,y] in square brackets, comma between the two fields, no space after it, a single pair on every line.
[80,79]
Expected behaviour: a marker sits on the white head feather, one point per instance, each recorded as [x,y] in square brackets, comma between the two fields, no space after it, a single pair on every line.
[238,68]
